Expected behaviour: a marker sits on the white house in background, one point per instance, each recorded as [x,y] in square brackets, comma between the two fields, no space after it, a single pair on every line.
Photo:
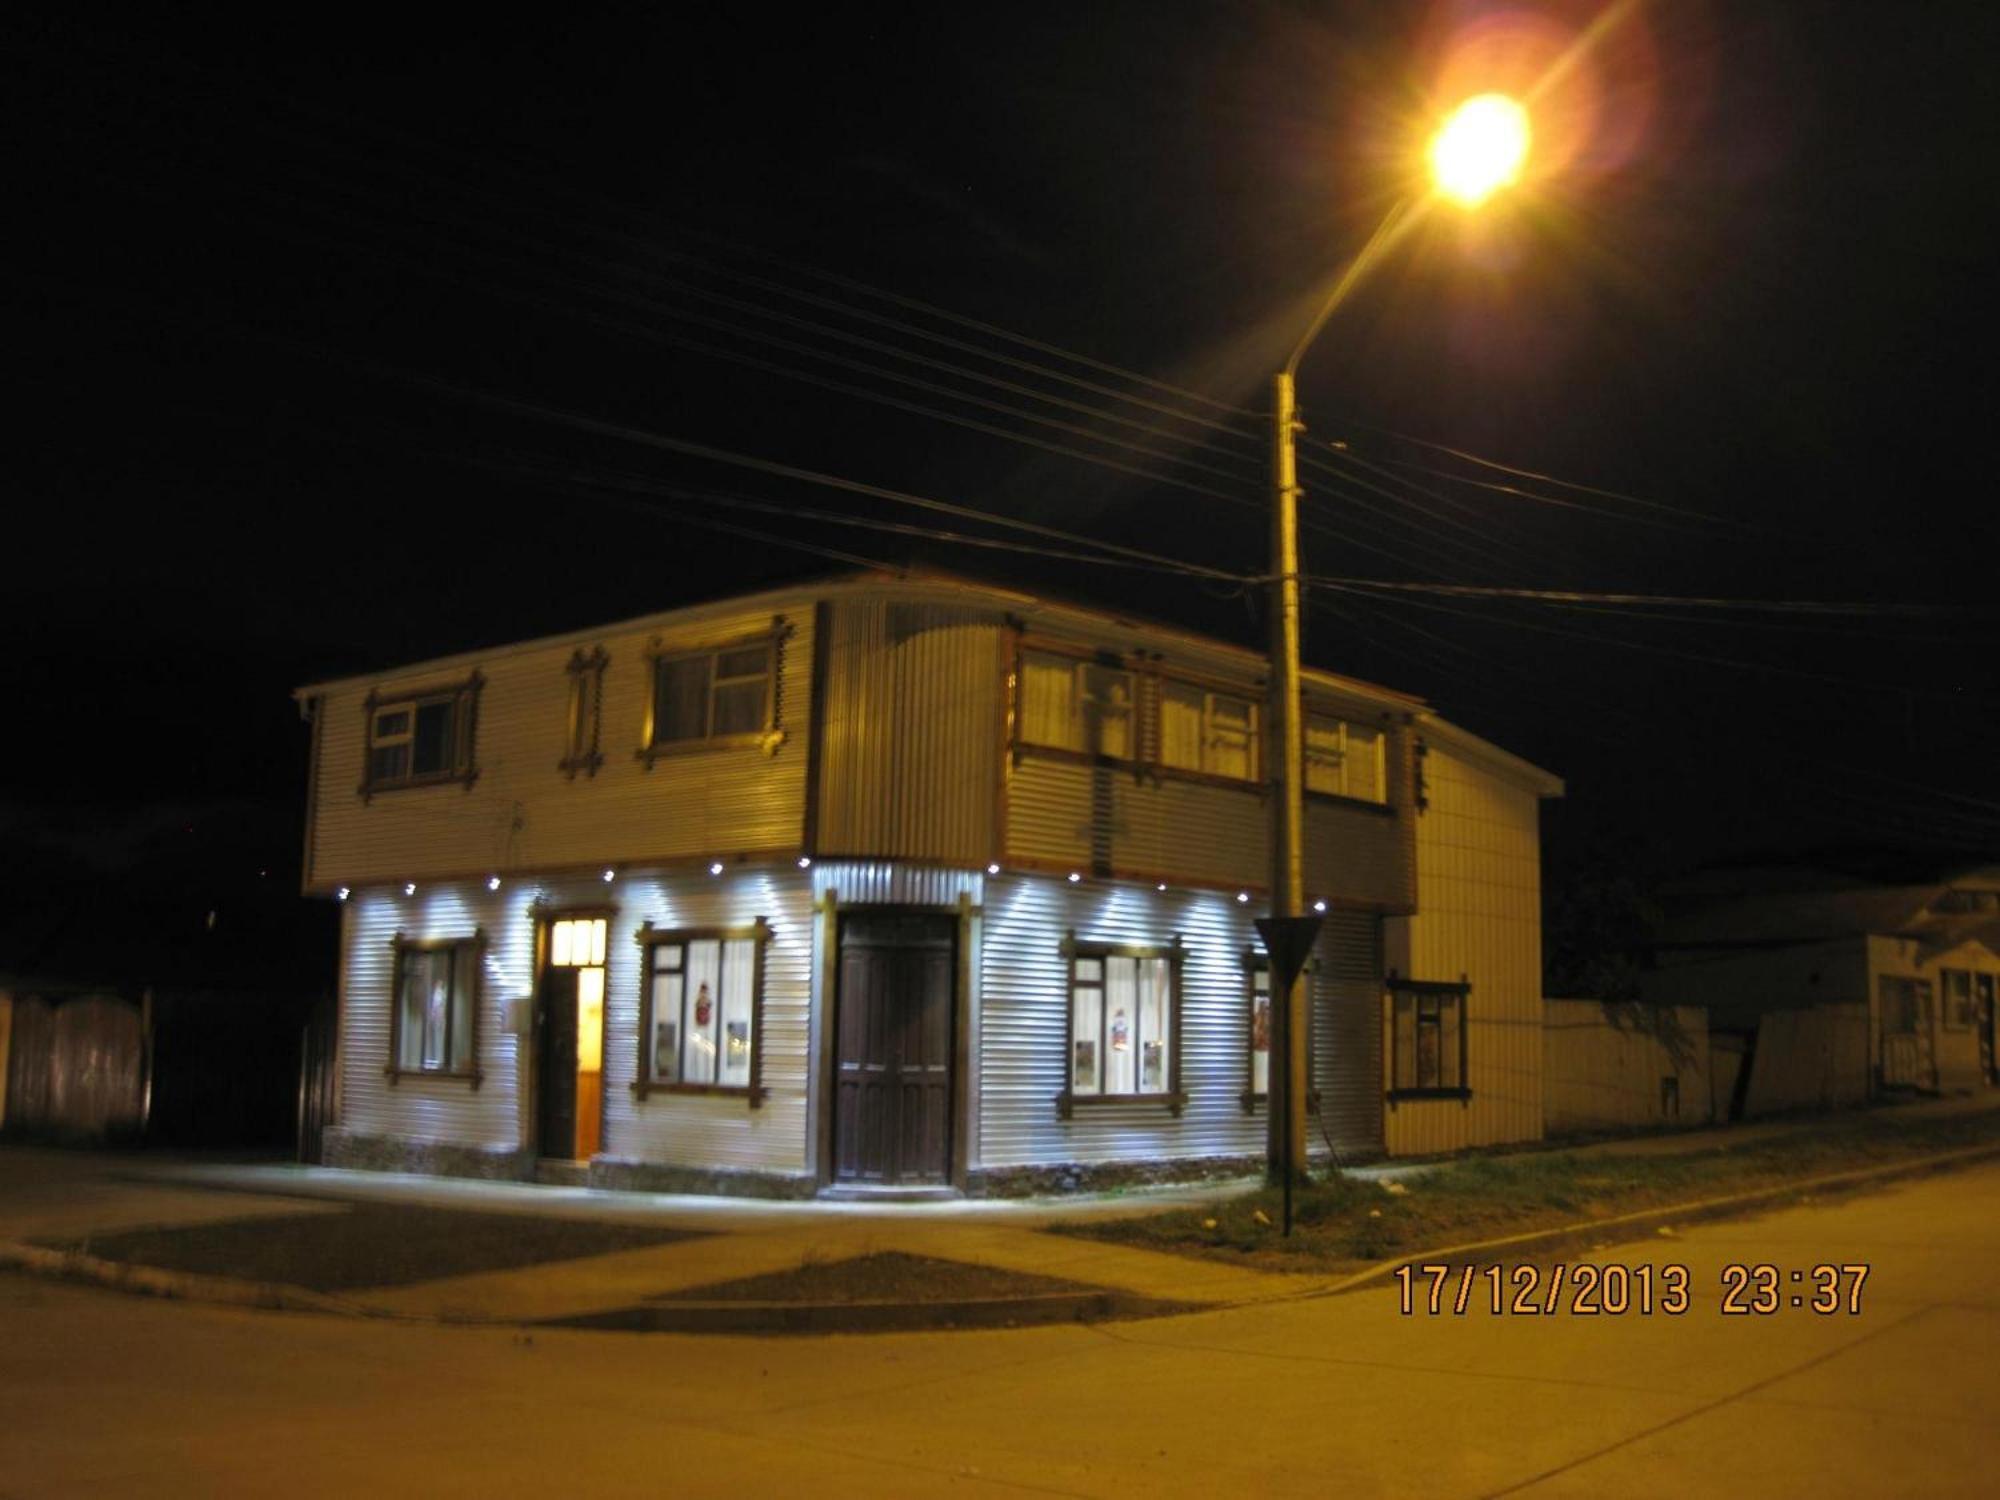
[901,882]
[1837,987]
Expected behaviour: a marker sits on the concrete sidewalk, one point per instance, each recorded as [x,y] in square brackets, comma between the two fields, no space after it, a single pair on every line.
[67,1196]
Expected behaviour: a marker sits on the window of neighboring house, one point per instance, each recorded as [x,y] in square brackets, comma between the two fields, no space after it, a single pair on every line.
[436,1028]
[701,1011]
[1427,1038]
[1257,981]
[582,748]
[1344,759]
[1124,1012]
[1955,986]
[1068,704]
[1214,733]
[1905,1005]
[422,738]
[711,696]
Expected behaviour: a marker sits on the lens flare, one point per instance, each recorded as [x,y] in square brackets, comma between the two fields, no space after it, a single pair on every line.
[1480,149]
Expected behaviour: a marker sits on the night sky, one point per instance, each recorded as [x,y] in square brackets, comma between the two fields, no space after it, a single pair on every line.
[309,318]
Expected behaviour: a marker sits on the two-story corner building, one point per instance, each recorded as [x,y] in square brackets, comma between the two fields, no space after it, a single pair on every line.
[901,882]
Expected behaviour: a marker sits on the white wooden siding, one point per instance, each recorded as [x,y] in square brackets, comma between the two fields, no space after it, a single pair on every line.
[523,813]
[1478,916]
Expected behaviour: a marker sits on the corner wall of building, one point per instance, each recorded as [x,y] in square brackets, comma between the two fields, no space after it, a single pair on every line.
[1479,918]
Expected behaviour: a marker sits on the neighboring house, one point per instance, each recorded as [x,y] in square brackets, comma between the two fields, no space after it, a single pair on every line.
[901,882]
[1842,985]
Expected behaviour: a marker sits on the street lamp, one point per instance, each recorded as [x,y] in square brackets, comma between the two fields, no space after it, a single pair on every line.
[1480,148]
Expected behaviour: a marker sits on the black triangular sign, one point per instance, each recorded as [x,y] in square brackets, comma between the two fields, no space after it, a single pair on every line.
[1289,941]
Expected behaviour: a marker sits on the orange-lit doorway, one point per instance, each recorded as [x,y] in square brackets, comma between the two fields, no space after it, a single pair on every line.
[569,1017]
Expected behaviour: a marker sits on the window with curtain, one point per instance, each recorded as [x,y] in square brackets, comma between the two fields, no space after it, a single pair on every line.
[1344,759]
[437,1008]
[1070,704]
[1123,1014]
[1427,1048]
[701,1013]
[1214,733]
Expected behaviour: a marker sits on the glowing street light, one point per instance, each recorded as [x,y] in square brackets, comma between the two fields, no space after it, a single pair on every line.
[1480,148]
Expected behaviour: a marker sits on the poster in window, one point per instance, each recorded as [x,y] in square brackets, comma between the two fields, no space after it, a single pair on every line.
[738,1044]
[704,1006]
[1429,1056]
[1121,1031]
[1086,1064]
[1152,1073]
[666,1052]
[1260,1024]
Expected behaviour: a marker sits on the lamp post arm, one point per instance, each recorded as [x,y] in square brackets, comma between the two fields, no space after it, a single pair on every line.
[1400,219]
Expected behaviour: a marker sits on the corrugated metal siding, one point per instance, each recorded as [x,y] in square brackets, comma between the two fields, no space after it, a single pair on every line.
[523,812]
[1602,1065]
[1024,1021]
[909,750]
[432,1109]
[1110,821]
[688,1130]
[714,1131]
[877,882]
[1347,1051]
[1478,915]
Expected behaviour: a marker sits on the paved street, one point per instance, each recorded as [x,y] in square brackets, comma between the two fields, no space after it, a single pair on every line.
[109,1394]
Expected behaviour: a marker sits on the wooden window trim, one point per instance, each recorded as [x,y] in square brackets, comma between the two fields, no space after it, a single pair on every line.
[585,739]
[649,937]
[1175,1097]
[464,697]
[768,738]
[1461,990]
[395,1072]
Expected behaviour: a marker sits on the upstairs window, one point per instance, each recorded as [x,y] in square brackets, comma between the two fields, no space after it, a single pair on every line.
[720,696]
[1086,706]
[1344,759]
[1213,733]
[1124,1020]
[1427,1056]
[436,1030]
[421,739]
[701,1011]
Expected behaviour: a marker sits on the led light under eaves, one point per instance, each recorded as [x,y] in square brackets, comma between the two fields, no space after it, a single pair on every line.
[1319,906]
[1074,877]
[1161,886]
[1242,898]
[410,889]
[715,867]
[492,882]
[609,876]
[992,869]
[341,894]
[805,862]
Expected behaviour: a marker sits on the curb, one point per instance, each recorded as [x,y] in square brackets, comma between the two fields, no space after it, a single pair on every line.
[666,1316]
[153,1281]
[1625,1225]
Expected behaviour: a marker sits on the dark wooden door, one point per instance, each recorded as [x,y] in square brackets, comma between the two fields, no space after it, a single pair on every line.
[555,1072]
[894,1040]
